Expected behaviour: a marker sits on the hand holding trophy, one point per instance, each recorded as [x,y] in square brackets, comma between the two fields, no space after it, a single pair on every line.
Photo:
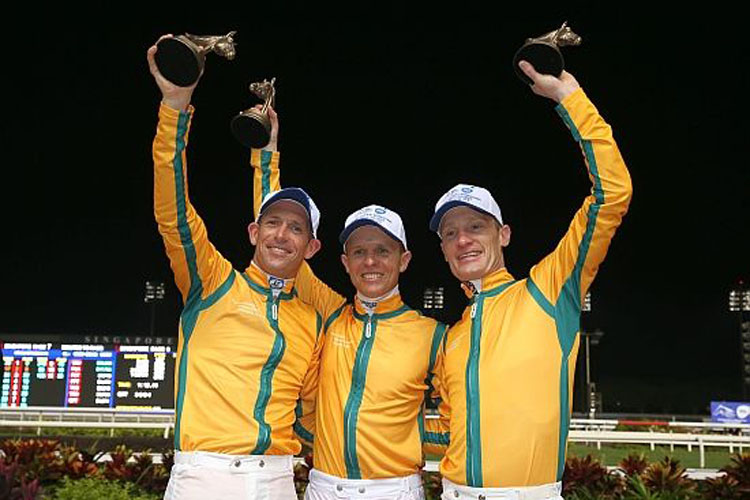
[181,59]
[252,128]
[544,54]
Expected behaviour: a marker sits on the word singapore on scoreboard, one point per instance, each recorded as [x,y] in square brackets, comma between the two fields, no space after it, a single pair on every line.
[87,375]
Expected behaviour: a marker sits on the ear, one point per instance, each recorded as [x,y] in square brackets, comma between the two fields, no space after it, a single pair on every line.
[345,262]
[312,248]
[505,235]
[252,230]
[404,261]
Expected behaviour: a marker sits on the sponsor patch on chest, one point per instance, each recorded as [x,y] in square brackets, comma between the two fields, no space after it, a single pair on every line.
[454,343]
[340,340]
[246,308]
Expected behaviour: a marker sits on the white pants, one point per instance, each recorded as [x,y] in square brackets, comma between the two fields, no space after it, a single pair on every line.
[325,487]
[453,491]
[201,475]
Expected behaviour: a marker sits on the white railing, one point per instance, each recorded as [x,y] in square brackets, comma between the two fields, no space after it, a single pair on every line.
[434,466]
[92,418]
[593,424]
[598,431]
[90,425]
[743,428]
[670,439]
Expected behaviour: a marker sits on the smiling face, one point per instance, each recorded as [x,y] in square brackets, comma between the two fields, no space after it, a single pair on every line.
[282,239]
[374,261]
[472,243]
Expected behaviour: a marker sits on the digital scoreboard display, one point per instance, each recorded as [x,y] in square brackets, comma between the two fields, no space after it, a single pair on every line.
[87,375]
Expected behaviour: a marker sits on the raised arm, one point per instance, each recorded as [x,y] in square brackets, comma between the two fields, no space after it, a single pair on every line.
[266,178]
[198,268]
[561,279]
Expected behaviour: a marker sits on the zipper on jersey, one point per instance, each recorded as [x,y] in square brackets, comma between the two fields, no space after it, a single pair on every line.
[473,438]
[351,409]
[266,377]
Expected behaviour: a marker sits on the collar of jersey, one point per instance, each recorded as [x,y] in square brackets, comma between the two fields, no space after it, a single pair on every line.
[258,281]
[388,308]
[490,283]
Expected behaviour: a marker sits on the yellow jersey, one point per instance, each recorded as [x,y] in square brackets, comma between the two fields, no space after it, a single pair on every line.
[248,347]
[376,365]
[508,365]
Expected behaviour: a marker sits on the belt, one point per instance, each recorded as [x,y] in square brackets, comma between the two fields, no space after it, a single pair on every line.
[541,492]
[235,463]
[382,487]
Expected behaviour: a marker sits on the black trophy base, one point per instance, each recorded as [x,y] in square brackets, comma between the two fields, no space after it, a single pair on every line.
[250,130]
[545,58]
[178,62]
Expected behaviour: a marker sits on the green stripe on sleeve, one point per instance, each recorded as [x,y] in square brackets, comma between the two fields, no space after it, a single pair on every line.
[333,317]
[567,310]
[190,313]
[186,238]
[420,424]
[440,439]
[265,168]
[298,427]
[568,121]
[303,433]
[437,339]
[539,297]
[219,293]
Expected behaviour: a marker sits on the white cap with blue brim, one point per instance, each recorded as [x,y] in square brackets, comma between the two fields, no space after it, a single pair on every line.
[375,215]
[297,195]
[466,195]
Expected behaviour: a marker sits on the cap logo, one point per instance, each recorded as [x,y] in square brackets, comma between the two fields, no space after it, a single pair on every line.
[465,196]
[376,214]
[386,220]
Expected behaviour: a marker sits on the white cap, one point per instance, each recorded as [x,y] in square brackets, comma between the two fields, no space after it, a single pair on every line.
[375,215]
[298,195]
[469,196]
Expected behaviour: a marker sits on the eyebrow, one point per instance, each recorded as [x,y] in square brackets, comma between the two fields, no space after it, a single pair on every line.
[288,219]
[377,246]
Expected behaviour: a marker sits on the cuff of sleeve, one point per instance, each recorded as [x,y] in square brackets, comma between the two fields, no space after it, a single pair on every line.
[174,114]
[260,158]
[572,108]
[571,101]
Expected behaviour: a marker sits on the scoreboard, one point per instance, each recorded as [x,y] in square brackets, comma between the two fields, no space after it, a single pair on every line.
[87,375]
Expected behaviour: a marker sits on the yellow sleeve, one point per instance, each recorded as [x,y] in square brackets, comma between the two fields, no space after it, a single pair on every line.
[198,267]
[313,291]
[267,178]
[560,281]
[265,175]
[304,426]
[436,435]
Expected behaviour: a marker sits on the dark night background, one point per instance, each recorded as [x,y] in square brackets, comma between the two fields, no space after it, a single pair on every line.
[381,105]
